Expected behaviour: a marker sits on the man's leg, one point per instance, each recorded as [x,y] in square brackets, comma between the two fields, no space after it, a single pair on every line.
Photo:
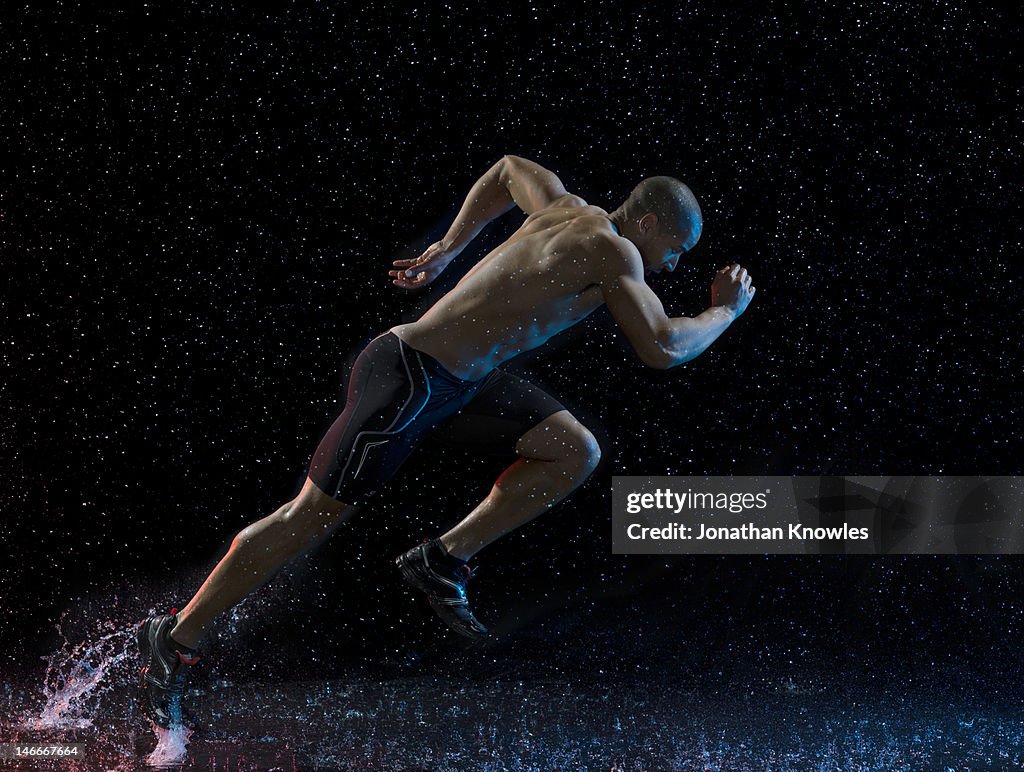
[380,394]
[556,456]
[388,409]
[258,552]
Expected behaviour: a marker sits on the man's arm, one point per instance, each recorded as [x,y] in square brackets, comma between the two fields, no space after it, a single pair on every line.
[510,182]
[659,340]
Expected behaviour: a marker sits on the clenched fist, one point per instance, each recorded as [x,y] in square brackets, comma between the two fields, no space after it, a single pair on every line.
[732,288]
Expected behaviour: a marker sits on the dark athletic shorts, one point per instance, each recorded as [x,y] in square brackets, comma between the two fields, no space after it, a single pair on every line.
[397,396]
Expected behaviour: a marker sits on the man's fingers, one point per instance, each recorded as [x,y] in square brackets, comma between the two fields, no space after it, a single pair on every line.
[424,258]
[403,273]
[410,282]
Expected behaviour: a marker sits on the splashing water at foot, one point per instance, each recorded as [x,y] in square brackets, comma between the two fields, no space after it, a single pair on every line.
[90,695]
[72,686]
[171,747]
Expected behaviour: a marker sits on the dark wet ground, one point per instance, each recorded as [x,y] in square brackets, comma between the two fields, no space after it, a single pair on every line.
[529,714]
[656,678]
[502,724]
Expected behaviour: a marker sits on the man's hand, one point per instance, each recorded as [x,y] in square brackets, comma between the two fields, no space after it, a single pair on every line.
[420,271]
[732,289]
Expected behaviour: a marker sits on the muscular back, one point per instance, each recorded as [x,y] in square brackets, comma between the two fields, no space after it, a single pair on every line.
[534,285]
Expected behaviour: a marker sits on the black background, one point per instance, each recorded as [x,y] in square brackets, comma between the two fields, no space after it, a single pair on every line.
[201,201]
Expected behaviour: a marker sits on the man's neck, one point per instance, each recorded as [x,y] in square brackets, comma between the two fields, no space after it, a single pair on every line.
[617,219]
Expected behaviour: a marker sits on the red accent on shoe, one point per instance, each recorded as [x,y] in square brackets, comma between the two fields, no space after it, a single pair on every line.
[426,540]
[187,660]
[174,611]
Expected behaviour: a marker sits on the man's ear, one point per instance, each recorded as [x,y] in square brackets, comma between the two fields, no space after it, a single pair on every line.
[648,223]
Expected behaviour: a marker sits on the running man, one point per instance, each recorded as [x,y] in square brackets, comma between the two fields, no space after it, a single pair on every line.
[440,376]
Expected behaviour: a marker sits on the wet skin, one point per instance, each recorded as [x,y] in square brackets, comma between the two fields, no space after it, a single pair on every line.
[534,285]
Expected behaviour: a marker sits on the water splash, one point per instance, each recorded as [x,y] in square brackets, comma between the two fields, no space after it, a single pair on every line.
[77,677]
[90,688]
[171,747]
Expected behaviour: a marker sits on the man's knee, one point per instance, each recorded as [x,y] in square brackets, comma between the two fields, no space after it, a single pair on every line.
[582,452]
[564,440]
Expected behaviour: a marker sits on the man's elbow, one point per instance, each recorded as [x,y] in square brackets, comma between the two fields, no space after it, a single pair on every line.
[670,349]
[662,357]
[663,364]
[656,353]
[657,357]
[504,165]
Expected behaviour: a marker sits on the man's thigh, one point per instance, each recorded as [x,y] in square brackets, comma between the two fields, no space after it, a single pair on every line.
[391,404]
[504,409]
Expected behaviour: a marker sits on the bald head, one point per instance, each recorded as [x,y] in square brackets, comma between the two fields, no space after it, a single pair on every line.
[668,198]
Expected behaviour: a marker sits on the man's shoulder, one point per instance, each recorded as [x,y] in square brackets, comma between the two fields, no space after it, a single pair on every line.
[604,252]
[597,236]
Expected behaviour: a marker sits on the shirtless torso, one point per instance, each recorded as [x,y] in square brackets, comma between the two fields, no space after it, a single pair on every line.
[566,260]
[534,285]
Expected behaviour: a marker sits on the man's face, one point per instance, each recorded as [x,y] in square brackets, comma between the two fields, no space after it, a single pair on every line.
[664,250]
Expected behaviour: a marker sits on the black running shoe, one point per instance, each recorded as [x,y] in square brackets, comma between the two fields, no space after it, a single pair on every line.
[428,567]
[164,674]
